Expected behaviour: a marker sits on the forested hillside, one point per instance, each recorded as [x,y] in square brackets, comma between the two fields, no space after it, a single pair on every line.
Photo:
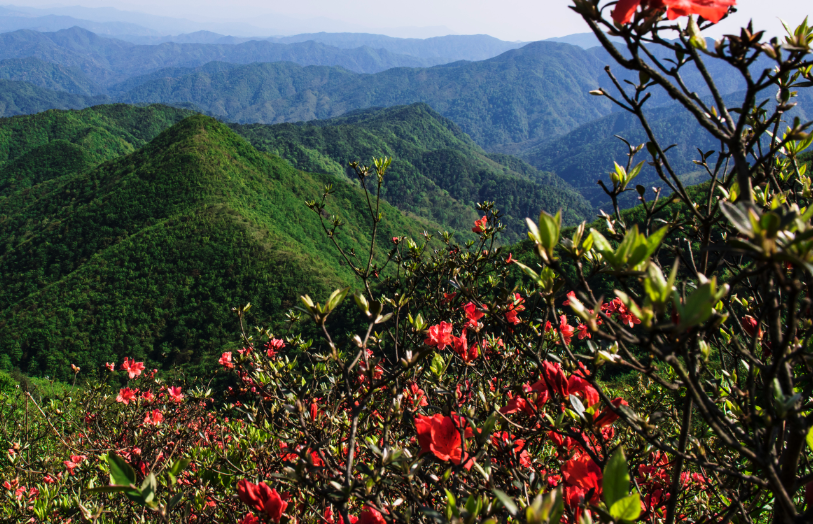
[23,98]
[539,90]
[145,254]
[438,171]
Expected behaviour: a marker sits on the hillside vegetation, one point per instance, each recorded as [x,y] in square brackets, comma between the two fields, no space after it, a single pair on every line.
[438,172]
[145,254]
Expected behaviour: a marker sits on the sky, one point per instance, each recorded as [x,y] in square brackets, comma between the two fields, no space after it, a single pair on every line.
[514,20]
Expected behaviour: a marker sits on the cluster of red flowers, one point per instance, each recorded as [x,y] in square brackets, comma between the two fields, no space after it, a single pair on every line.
[712,10]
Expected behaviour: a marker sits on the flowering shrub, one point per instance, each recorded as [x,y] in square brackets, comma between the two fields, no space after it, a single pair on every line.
[625,372]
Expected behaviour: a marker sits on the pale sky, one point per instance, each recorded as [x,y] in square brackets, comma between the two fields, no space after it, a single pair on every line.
[506,19]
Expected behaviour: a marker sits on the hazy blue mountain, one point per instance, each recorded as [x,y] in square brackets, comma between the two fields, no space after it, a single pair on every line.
[108,61]
[20,98]
[451,48]
[583,40]
[49,76]
[534,92]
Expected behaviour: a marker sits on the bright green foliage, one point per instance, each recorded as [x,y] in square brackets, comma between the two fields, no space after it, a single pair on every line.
[438,172]
[144,255]
[56,143]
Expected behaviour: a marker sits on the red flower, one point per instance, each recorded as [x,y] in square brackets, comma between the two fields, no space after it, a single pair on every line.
[147,395]
[583,473]
[154,418]
[249,519]
[330,520]
[607,416]
[440,335]
[225,360]
[579,386]
[463,350]
[570,295]
[510,258]
[480,225]
[566,329]
[440,435]
[712,10]
[554,378]
[472,314]
[415,396]
[111,366]
[448,297]
[583,332]
[126,395]
[132,367]
[751,326]
[503,440]
[273,346]
[175,393]
[371,516]
[261,498]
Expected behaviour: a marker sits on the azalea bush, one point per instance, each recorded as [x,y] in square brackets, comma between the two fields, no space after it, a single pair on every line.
[651,366]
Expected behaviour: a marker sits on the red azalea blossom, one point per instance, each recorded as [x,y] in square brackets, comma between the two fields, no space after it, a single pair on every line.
[570,295]
[262,499]
[415,396]
[440,335]
[111,366]
[566,329]
[607,416]
[225,360]
[472,314]
[463,350]
[504,440]
[480,225]
[583,332]
[249,519]
[440,435]
[371,516]
[711,10]
[154,418]
[175,393]
[448,297]
[132,367]
[510,258]
[330,520]
[555,378]
[126,395]
[751,326]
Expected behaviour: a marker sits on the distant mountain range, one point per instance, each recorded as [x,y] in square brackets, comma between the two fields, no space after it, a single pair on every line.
[531,102]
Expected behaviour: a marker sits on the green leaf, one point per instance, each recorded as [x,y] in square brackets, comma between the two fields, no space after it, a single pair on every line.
[549,227]
[437,364]
[506,501]
[628,508]
[179,466]
[616,482]
[121,474]
[336,298]
[810,438]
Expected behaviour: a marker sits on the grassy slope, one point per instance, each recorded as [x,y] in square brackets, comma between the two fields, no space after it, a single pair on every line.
[145,255]
[438,172]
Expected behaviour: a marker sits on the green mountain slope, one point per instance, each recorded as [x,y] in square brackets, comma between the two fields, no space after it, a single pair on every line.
[52,144]
[438,171]
[22,98]
[145,254]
